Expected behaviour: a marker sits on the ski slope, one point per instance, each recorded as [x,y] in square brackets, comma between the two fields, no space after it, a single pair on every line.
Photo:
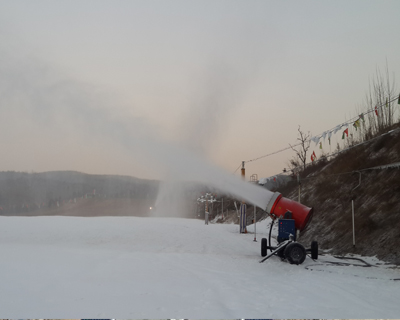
[130,267]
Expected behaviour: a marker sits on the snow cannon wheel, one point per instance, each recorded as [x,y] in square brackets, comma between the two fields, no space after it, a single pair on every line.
[295,253]
[264,245]
[314,250]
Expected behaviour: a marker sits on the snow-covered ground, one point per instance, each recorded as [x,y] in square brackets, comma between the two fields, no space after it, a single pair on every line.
[129,267]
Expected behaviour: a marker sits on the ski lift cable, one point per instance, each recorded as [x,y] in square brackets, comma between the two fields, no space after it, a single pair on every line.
[351,147]
[332,154]
[381,167]
[320,135]
[359,144]
[237,168]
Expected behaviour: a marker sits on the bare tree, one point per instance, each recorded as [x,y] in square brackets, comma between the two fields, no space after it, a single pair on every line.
[379,98]
[303,146]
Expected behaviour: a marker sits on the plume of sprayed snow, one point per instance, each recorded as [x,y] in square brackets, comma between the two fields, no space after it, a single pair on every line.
[213,101]
[172,200]
[65,107]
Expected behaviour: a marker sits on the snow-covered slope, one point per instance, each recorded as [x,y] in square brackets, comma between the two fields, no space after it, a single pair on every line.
[130,267]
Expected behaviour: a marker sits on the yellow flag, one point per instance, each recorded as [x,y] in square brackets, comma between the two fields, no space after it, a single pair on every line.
[356,124]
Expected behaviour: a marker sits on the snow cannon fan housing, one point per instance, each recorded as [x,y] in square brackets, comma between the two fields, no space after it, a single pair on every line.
[278,206]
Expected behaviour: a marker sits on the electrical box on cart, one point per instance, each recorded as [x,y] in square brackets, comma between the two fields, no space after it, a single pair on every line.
[286,228]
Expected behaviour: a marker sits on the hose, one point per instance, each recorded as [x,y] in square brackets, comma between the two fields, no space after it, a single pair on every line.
[269,237]
[367,265]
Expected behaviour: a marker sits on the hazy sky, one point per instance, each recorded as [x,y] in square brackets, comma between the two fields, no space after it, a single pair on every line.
[103,86]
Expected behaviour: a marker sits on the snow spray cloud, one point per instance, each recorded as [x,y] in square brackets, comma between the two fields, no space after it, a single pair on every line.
[216,96]
[33,98]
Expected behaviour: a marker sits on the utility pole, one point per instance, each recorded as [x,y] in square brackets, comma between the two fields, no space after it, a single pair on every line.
[242,221]
[255,224]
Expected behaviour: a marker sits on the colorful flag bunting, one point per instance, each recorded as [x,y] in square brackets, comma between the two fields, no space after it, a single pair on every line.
[356,124]
[337,129]
[313,156]
[316,140]
[345,132]
[362,117]
[320,145]
[376,111]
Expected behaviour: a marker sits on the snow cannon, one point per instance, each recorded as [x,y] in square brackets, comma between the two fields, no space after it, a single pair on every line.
[293,217]
[278,206]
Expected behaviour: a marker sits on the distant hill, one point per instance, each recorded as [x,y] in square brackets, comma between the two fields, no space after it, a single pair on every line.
[22,192]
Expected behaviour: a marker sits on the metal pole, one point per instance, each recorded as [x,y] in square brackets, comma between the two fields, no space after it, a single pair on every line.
[352,209]
[206,212]
[243,212]
[354,234]
[222,208]
[255,224]
[299,193]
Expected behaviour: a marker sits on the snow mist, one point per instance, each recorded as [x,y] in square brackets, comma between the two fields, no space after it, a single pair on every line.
[78,119]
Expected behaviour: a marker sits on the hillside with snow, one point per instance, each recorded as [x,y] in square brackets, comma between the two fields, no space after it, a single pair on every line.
[367,173]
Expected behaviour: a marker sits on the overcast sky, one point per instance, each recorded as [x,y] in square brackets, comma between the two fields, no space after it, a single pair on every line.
[104,86]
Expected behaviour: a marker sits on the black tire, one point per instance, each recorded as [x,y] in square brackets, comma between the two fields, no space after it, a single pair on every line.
[314,250]
[264,244]
[295,253]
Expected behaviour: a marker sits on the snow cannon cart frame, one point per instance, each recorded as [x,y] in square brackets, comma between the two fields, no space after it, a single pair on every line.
[293,218]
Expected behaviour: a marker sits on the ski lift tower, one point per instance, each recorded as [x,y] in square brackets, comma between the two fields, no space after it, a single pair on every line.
[208,198]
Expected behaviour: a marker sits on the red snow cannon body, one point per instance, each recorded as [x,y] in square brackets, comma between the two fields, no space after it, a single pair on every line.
[279,205]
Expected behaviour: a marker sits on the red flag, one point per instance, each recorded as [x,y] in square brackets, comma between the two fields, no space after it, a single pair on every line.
[376,111]
[313,156]
[347,132]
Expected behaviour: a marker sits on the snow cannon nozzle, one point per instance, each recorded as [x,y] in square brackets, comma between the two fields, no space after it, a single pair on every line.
[279,205]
